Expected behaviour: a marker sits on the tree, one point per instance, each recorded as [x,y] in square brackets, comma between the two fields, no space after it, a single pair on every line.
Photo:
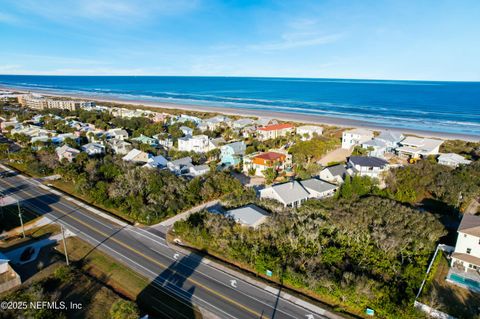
[123,309]
[270,175]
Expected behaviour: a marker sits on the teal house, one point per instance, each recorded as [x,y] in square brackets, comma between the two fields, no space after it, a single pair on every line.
[231,154]
[145,140]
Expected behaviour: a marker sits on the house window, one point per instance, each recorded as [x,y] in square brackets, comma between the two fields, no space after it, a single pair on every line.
[469,250]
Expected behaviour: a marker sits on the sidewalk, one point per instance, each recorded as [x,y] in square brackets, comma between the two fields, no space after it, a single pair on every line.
[169,222]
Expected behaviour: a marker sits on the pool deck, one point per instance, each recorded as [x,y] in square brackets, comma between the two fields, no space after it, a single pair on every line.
[470,274]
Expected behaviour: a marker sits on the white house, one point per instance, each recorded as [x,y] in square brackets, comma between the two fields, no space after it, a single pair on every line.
[249,216]
[119,146]
[308,131]
[367,165]
[180,166]
[198,170]
[156,162]
[355,137]
[318,189]
[452,160]
[391,139]
[289,194]
[187,131]
[66,152]
[197,143]
[93,149]
[467,248]
[118,133]
[136,156]
[241,123]
[334,174]
[376,147]
[417,147]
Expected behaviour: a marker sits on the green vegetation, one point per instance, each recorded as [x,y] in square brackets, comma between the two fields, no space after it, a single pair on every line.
[123,309]
[454,188]
[62,283]
[471,150]
[367,252]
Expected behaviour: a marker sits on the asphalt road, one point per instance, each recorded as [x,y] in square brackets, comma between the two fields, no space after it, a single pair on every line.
[184,277]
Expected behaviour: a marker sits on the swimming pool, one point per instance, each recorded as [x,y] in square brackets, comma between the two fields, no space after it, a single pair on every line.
[475,285]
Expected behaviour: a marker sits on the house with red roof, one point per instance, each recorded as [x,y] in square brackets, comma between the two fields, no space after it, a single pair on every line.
[262,161]
[275,130]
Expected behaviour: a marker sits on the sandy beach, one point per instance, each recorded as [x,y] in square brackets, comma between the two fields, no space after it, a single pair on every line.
[283,116]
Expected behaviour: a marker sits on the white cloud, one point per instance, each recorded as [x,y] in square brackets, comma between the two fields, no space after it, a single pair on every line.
[296,40]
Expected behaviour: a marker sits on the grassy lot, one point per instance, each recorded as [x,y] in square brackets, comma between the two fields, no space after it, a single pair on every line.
[125,281]
[447,297]
[64,284]
[30,234]
[70,189]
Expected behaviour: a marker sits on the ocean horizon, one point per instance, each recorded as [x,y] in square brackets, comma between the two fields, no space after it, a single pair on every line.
[434,106]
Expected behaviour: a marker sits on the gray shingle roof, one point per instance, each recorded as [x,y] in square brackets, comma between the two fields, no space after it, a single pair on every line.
[317,185]
[368,161]
[337,170]
[290,192]
[470,224]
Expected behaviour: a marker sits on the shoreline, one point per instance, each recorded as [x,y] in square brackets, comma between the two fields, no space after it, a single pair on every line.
[283,116]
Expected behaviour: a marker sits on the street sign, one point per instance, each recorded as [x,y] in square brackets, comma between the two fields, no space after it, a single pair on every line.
[269,273]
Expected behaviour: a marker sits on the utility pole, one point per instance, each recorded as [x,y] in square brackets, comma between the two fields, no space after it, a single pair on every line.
[65,245]
[21,219]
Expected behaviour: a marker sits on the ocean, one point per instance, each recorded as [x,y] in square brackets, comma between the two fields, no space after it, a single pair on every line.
[447,107]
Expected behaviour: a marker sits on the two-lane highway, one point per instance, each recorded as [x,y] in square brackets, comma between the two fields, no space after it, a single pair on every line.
[185,277]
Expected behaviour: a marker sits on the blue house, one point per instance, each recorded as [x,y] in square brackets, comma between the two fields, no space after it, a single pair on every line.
[231,154]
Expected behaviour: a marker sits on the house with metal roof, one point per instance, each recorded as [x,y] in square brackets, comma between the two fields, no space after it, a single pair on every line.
[318,188]
[136,156]
[180,166]
[231,154]
[376,147]
[156,162]
[390,138]
[145,140]
[452,160]
[93,149]
[290,194]
[250,215]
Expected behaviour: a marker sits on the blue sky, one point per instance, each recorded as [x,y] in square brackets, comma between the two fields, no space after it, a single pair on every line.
[431,40]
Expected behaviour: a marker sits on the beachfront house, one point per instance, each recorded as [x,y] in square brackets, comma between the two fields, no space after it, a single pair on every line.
[391,139]
[196,143]
[117,133]
[120,147]
[465,260]
[318,189]
[367,165]
[231,154]
[275,131]
[259,162]
[452,160]
[66,152]
[93,149]
[418,147]
[136,156]
[186,118]
[215,122]
[145,140]
[290,194]
[334,174]
[355,137]
[264,121]
[248,216]
[307,132]
[375,147]
[241,123]
[180,166]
